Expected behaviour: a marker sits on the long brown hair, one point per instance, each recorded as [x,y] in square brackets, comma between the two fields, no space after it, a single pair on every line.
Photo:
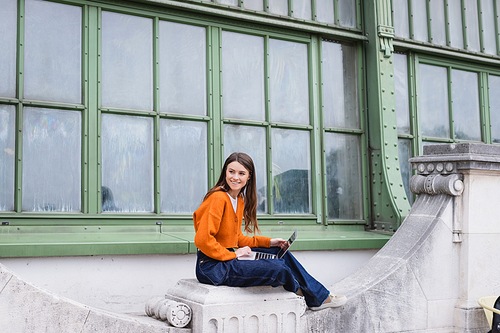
[248,192]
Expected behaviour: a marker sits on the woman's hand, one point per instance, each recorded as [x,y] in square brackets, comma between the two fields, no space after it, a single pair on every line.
[279,242]
[243,251]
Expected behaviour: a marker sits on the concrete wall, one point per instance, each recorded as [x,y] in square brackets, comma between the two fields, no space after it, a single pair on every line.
[124,283]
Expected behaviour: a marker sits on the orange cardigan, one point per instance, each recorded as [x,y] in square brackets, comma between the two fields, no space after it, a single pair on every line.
[217,228]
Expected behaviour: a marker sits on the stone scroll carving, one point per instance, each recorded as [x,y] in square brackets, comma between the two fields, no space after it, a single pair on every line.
[177,314]
[437,184]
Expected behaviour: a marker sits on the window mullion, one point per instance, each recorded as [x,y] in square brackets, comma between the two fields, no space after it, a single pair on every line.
[450,103]
[85,112]
[19,107]
[269,157]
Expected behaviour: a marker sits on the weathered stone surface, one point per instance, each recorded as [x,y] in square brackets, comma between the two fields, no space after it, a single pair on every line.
[27,308]
[230,309]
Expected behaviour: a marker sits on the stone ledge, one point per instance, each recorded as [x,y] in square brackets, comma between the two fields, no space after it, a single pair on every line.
[231,309]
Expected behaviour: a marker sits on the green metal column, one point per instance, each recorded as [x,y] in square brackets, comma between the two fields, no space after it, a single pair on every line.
[389,203]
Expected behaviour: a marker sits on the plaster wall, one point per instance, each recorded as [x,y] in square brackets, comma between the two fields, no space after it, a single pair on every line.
[124,283]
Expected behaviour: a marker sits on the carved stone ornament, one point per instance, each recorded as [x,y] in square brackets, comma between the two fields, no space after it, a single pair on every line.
[177,314]
[437,184]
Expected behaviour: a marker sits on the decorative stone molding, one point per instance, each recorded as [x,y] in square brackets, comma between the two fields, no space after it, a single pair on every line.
[437,184]
[177,314]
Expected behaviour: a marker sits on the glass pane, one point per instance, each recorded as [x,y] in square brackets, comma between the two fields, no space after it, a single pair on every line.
[53,48]
[289,82]
[127,61]
[51,160]
[325,11]
[404,147]
[472,25]
[347,13]
[183,82]
[402,100]
[291,171]
[279,7]
[254,4]
[456,27]
[228,2]
[488,20]
[302,9]
[438,22]
[494,98]
[419,10]
[7,156]
[343,176]
[127,163]
[401,25]
[340,86]
[8,43]
[433,101]
[465,99]
[252,141]
[243,76]
[183,165]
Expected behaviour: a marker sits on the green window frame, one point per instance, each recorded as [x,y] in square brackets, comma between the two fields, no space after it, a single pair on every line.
[92,113]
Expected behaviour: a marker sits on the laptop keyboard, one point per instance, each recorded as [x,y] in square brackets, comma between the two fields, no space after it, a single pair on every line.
[262,255]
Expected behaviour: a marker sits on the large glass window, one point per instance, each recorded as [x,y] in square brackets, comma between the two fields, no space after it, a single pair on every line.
[183,83]
[7,156]
[129,116]
[8,27]
[127,61]
[183,165]
[127,163]
[494,98]
[52,57]
[341,111]
[51,160]
[433,101]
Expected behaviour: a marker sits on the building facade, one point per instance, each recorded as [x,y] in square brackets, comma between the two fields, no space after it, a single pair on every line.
[116,116]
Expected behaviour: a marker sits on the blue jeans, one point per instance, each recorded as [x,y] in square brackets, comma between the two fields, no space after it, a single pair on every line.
[286,272]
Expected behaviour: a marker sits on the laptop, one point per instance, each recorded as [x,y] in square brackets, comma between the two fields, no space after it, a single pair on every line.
[256,255]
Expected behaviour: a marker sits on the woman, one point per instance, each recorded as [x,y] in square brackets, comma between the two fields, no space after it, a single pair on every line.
[220,242]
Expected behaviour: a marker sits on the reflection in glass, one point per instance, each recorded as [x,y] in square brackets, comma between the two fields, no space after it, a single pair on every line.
[402,100]
[291,171]
[347,13]
[488,21]
[7,156]
[252,141]
[438,22]
[419,12]
[127,61]
[8,45]
[433,101]
[340,86]
[51,160]
[243,76]
[455,20]
[127,162]
[401,25]
[472,25]
[404,147]
[465,97]
[279,7]
[183,165]
[183,83]
[325,11]
[302,9]
[343,176]
[254,4]
[52,57]
[289,82]
[494,98]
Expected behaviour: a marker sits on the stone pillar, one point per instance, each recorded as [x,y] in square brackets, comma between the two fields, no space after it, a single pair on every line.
[476,225]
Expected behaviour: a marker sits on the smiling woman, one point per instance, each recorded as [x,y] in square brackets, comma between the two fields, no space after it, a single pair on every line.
[221,243]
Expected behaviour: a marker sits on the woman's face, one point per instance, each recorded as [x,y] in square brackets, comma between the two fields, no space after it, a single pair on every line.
[236,177]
